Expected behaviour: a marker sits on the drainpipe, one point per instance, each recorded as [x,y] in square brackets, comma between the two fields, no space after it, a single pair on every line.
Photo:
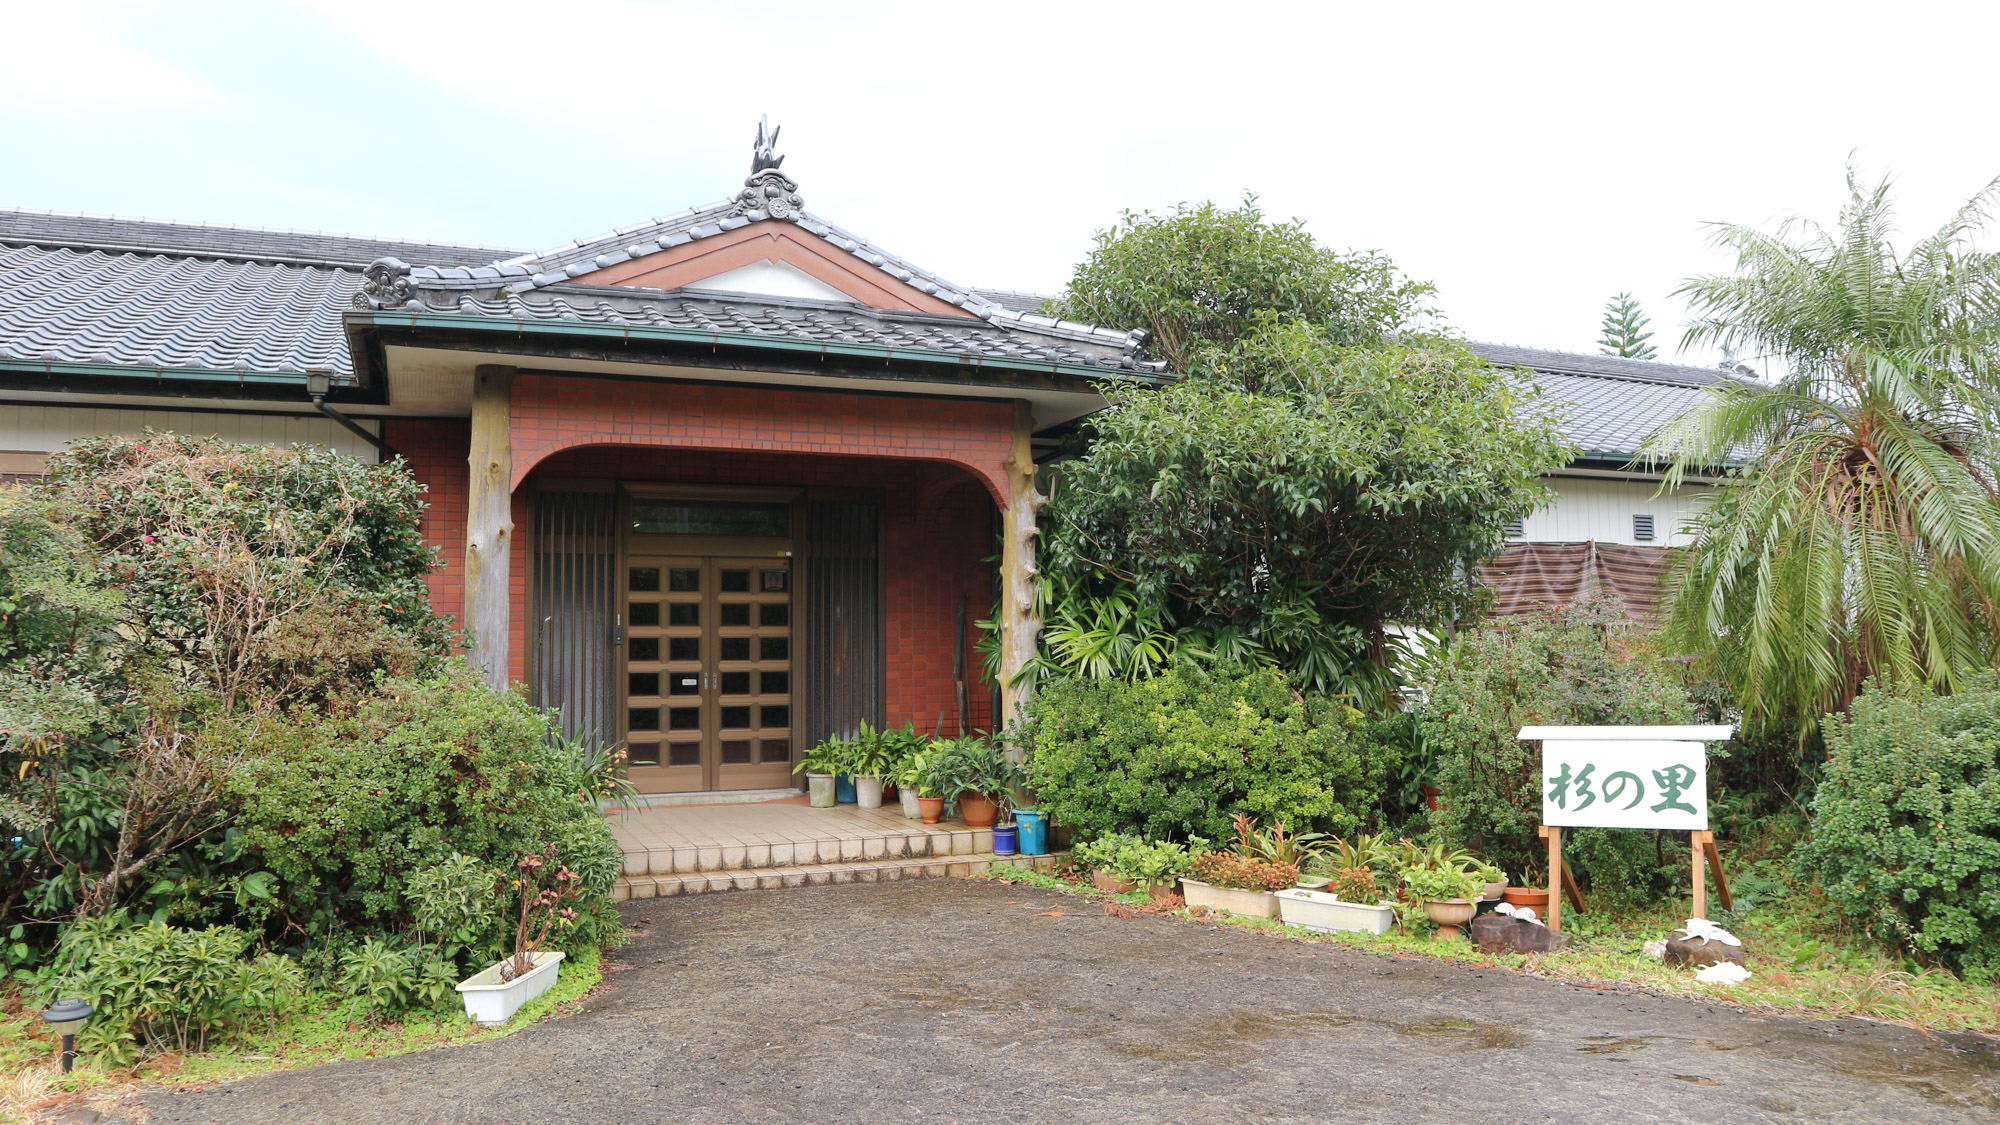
[319,381]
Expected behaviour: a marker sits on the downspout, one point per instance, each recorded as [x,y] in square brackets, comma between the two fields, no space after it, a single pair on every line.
[318,382]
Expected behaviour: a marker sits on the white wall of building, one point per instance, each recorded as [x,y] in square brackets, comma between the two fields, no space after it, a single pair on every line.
[1602,509]
[28,429]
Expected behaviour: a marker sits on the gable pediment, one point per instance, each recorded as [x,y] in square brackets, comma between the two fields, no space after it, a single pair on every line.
[772,258]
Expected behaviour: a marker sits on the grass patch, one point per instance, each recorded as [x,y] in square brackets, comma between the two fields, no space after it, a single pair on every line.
[1796,965]
[328,1028]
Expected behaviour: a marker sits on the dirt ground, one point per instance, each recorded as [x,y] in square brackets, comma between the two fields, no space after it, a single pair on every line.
[946,1000]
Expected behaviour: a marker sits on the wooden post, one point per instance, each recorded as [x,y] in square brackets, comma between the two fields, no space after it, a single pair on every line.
[1020,628]
[489,522]
[1555,837]
[1715,870]
[1700,863]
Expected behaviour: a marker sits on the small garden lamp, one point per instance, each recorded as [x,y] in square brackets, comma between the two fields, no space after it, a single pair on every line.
[66,1018]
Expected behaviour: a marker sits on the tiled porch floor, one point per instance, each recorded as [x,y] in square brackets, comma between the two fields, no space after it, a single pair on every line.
[689,838]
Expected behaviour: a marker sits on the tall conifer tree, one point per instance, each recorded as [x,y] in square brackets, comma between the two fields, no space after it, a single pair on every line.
[1625,329]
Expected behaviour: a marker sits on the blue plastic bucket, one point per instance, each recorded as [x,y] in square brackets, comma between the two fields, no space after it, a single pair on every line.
[1034,831]
[1003,839]
[843,789]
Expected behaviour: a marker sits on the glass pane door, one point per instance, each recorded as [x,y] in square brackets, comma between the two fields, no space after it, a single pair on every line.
[708,673]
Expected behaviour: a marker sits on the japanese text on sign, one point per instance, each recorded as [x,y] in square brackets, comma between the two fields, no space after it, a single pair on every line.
[1625,784]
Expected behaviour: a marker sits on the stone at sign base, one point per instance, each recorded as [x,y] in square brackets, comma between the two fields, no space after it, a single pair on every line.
[1499,933]
[1317,910]
[1696,952]
[491,1002]
[1230,900]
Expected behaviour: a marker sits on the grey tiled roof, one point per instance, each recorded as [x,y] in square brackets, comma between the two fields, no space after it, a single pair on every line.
[822,322]
[1009,299]
[239,244]
[1608,404]
[526,272]
[155,310]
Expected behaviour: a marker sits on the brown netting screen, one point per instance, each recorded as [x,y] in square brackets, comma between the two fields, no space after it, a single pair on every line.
[1530,577]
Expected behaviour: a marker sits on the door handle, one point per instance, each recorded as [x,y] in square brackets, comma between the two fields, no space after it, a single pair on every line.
[617,629]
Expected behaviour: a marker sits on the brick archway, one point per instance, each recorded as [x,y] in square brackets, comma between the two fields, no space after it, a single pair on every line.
[549,414]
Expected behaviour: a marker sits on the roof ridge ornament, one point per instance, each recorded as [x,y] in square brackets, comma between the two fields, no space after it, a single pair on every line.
[385,284]
[768,189]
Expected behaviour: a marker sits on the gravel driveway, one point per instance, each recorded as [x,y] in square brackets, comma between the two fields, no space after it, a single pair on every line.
[946,1000]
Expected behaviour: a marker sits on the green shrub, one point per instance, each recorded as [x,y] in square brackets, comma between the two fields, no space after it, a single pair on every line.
[160,988]
[1183,753]
[357,813]
[1906,822]
[1577,666]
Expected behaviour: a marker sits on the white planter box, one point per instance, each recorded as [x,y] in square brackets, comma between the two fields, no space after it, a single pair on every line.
[1230,900]
[1317,910]
[491,1002]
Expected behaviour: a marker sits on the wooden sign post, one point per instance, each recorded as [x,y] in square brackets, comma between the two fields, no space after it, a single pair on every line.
[1627,777]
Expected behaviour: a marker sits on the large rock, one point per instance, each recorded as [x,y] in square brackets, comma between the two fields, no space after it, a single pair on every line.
[1499,933]
[1695,952]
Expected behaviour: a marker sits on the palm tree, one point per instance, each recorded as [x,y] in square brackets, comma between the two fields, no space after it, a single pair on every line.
[1857,532]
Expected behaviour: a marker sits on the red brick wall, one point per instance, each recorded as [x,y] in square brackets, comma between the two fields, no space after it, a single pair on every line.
[553,413]
[437,454]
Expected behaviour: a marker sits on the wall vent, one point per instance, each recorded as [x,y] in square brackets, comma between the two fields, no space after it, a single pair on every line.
[1516,529]
[1642,528]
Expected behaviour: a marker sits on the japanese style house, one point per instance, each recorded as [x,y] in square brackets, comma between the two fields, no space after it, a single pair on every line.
[716,485]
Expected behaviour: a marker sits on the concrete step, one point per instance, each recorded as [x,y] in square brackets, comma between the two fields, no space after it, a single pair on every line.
[821,874]
[834,842]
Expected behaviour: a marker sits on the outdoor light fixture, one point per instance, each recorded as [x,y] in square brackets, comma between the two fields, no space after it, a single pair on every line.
[318,381]
[66,1018]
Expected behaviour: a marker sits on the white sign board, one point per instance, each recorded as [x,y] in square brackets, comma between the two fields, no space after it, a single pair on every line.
[1625,783]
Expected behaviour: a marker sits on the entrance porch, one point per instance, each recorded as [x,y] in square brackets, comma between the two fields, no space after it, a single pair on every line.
[695,849]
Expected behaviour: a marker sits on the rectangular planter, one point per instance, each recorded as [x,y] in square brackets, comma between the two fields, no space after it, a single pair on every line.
[491,1002]
[1317,910]
[1230,900]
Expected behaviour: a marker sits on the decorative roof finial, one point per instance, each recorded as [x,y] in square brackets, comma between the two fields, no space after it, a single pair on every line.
[768,193]
[766,154]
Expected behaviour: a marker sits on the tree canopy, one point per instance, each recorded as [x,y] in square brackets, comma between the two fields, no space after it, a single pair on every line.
[1860,533]
[1321,470]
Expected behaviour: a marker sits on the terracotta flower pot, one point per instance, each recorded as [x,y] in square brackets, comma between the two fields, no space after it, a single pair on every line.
[978,810]
[1449,914]
[1111,884]
[1535,897]
[931,808]
[1166,892]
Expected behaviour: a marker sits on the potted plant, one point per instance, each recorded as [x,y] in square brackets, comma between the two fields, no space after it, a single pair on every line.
[930,775]
[494,994]
[903,746]
[1449,895]
[1495,879]
[1122,862]
[820,765]
[982,777]
[1245,879]
[1349,896]
[869,761]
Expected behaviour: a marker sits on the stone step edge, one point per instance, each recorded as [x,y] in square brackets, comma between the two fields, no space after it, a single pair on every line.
[633,888]
[713,858]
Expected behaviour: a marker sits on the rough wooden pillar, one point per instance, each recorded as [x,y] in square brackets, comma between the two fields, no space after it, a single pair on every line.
[489,523]
[1020,626]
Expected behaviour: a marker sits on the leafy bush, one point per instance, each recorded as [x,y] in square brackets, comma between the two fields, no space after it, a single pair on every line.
[356,813]
[160,988]
[1906,822]
[1183,753]
[1439,884]
[1576,666]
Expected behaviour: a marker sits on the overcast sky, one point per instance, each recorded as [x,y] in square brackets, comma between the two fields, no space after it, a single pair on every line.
[1531,160]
